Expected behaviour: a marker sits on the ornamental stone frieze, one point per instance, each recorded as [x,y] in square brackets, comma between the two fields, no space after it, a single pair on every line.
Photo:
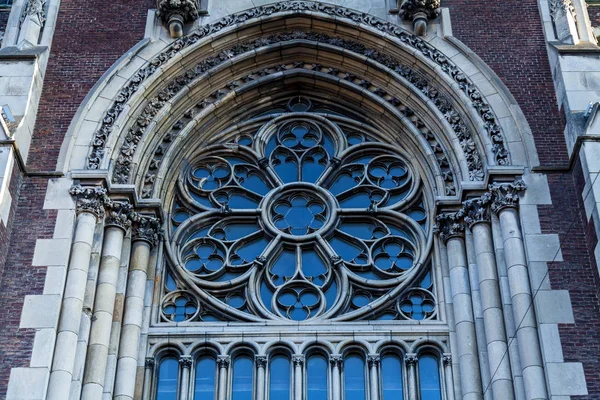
[175,13]
[89,199]
[505,194]
[419,12]
[450,225]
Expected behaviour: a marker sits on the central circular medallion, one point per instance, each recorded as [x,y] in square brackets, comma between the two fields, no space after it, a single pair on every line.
[299,210]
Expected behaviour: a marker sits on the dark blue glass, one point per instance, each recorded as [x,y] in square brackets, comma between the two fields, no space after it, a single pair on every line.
[313,267]
[429,376]
[243,369]
[313,166]
[279,378]
[316,378]
[249,251]
[234,231]
[343,182]
[331,295]
[251,180]
[266,295]
[284,267]
[391,378]
[236,200]
[204,387]
[354,378]
[285,165]
[168,373]
[348,251]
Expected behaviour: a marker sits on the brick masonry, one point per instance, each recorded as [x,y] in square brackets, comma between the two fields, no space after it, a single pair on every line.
[90,36]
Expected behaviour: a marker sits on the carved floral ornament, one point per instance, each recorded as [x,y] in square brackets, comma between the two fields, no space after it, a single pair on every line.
[498,197]
[427,50]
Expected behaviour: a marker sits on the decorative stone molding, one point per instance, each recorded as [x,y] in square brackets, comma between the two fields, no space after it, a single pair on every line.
[175,13]
[119,214]
[505,194]
[411,359]
[260,361]
[419,12]
[336,360]
[450,225]
[89,199]
[373,360]
[223,361]
[427,50]
[298,360]
[447,359]
[477,210]
[150,362]
[34,8]
[147,229]
[186,361]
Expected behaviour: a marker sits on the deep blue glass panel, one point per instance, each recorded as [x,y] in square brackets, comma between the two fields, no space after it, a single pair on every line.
[360,200]
[284,267]
[316,376]
[251,180]
[204,387]
[243,369]
[345,181]
[354,378]
[429,376]
[313,166]
[348,251]
[249,251]
[313,267]
[363,230]
[266,295]
[170,283]
[168,372]
[202,200]
[285,165]
[279,378]
[391,377]
[328,145]
[234,231]
[236,200]
[330,295]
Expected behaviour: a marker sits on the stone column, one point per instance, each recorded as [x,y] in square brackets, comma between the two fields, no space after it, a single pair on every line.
[477,216]
[452,232]
[505,202]
[449,380]
[117,222]
[298,360]
[410,359]
[336,361]
[89,206]
[144,236]
[148,372]
[184,386]
[223,363]
[373,362]
[261,363]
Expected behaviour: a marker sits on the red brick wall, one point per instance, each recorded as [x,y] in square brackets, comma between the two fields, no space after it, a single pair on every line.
[90,36]
[4,13]
[508,36]
[594,11]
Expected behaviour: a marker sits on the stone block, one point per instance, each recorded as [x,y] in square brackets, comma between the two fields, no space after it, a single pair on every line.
[554,307]
[538,191]
[543,247]
[55,280]
[566,379]
[550,343]
[65,220]
[27,384]
[51,252]
[40,311]
[43,348]
[57,195]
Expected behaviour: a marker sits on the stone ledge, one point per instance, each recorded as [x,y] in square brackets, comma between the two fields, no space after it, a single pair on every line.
[566,379]
[554,307]
[40,311]
[27,384]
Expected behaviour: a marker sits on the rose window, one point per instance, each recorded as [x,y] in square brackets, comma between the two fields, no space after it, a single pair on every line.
[306,217]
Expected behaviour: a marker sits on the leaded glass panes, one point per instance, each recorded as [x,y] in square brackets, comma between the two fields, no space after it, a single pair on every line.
[168,373]
[286,223]
[429,376]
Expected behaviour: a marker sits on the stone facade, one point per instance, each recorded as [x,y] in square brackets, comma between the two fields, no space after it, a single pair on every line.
[494,116]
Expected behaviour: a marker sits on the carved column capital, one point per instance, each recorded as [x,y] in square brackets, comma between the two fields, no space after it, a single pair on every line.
[419,12]
[119,214]
[447,359]
[150,362]
[505,194]
[223,361]
[146,229]
[336,360]
[449,225]
[89,199]
[175,13]
[477,210]
[373,360]
[411,359]
[186,361]
[298,360]
[260,361]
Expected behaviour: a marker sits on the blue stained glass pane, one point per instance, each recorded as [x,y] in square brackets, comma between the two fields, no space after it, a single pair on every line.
[252,181]
[363,230]
[395,198]
[330,295]
[271,144]
[245,141]
[354,378]
[204,387]
[328,145]
[234,231]
[242,378]
[202,200]
[237,200]
[316,376]
[266,295]
[391,377]
[359,200]
[168,372]
[363,160]
[312,170]
[279,379]
[283,269]
[170,283]
[348,251]
[286,169]
[313,267]
[249,251]
[426,282]
[429,376]
[342,183]
[386,316]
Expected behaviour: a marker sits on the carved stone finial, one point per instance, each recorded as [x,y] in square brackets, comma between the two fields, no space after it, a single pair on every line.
[223,361]
[477,210]
[175,13]
[449,225]
[34,8]
[150,362]
[146,229]
[298,360]
[336,360]
[410,359]
[89,199]
[261,361]
[558,7]
[119,214]
[505,194]
[419,12]
[373,360]
[186,361]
